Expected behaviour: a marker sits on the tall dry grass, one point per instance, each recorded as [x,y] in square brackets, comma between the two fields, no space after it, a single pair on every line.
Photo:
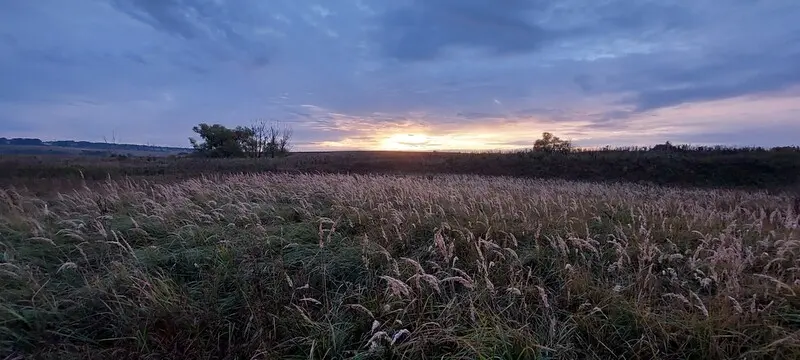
[337,266]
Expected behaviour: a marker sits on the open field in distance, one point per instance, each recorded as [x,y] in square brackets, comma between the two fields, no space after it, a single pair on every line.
[299,266]
[774,169]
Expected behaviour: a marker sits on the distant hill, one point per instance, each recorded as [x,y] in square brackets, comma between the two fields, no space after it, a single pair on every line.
[30,146]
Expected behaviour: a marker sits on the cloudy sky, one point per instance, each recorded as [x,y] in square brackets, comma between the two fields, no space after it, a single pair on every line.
[404,74]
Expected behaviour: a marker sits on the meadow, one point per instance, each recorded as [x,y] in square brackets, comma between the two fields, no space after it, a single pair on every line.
[342,266]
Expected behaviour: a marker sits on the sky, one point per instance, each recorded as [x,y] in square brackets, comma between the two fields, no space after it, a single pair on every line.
[404,74]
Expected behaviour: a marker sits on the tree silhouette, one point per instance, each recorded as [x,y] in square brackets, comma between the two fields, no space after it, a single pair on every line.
[255,141]
[551,143]
[270,139]
[220,141]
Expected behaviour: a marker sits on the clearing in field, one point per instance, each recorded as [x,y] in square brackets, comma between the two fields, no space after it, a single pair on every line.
[457,267]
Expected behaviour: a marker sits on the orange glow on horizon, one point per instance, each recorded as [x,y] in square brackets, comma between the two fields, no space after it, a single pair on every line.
[405,142]
[642,129]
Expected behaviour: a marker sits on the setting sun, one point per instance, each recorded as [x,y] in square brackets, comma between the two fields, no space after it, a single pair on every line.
[406,142]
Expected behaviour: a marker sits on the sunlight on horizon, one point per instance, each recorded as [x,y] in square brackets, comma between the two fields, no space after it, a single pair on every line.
[406,142]
[467,137]
[675,124]
[424,142]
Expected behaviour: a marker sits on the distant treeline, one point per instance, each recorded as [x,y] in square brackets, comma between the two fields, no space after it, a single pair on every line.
[725,167]
[20,141]
[90,145]
[685,148]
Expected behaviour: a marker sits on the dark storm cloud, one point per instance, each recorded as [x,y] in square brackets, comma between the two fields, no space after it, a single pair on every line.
[423,28]
[728,77]
[219,24]
[172,16]
[744,48]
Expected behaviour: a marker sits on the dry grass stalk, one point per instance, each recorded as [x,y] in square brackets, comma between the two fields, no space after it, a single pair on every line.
[132,250]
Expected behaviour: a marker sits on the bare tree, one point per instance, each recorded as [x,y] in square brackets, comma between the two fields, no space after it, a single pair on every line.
[283,142]
[260,138]
[270,139]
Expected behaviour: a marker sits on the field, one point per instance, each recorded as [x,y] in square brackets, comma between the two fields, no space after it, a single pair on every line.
[743,168]
[313,266]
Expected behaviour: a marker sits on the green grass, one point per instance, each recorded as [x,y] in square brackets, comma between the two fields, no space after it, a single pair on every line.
[454,267]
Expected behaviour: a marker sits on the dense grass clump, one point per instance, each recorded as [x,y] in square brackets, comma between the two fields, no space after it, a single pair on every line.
[299,266]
